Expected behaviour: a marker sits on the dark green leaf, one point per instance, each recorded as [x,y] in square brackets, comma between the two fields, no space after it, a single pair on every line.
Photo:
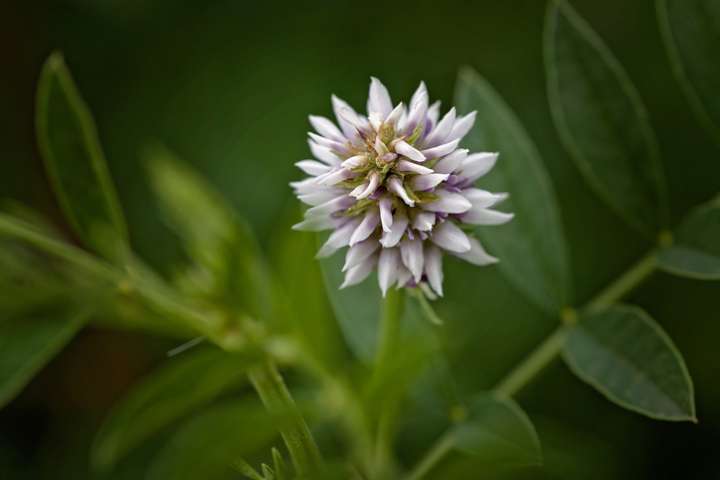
[696,252]
[176,389]
[691,31]
[626,356]
[75,162]
[602,121]
[531,248]
[497,432]
[27,344]
[228,266]
[207,445]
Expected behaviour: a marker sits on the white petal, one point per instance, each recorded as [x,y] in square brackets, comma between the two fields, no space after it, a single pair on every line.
[482,198]
[452,162]
[447,235]
[424,221]
[306,185]
[335,177]
[316,224]
[354,162]
[412,167]
[477,165]
[369,222]
[442,130]
[417,110]
[394,184]
[380,147]
[440,150]
[333,145]
[448,202]
[339,238]
[386,217]
[387,268]
[324,154]
[433,112]
[411,252]
[400,223]
[462,126]
[395,115]
[359,272]
[403,276]
[326,128]
[378,98]
[426,182]
[336,204]
[433,268]
[477,254]
[407,150]
[359,252]
[312,167]
[372,185]
[319,196]
[346,117]
[482,216]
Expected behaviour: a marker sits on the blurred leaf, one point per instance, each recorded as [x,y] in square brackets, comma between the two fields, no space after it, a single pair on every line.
[169,393]
[27,344]
[206,446]
[628,358]
[75,162]
[280,468]
[696,252]
[691,32]
[532,247]
[497,432]
[602,121]
[229,266]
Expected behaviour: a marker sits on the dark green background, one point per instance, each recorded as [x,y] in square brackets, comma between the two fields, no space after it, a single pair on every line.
[228,86]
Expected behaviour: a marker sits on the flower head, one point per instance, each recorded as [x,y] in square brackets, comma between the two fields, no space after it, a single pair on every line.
[395,188]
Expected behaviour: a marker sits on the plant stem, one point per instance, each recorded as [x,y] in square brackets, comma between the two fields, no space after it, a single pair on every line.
[441,448]
[547,351]
[277,399]
[389,335]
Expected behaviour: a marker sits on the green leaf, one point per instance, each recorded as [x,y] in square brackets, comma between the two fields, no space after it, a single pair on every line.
[531,248]
[229,267]
[183,385]
[696,252]
[75,162]
[602,121]
[497,432]
[207,445]
[691,32]
[28,343]
[628,358]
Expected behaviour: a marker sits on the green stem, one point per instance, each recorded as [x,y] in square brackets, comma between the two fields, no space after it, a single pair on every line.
[277,399]
[547,351]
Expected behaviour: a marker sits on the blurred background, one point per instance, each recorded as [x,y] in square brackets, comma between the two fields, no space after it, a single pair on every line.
[228,86]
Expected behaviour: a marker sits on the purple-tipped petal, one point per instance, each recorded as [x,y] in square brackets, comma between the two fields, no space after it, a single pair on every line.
[403,277]
[369,222]
[477,165]
[355,161]
[395,115]
[386,217]
[441,150]
[482,198]
[447,235]
[441,130]
[405,149]
[451,162]
[477,254]
[315,224]
[397,230]
[338,239]
[334,146]
[411,252]
[483,216]
[359,252]
[394,184]
[326,128]
[412,167]
[312,167]
[424,221]
[462,126]
[319,196]
[359,272]
[420,183]
[324,154]
[328,208]
[448,202]
[433,112]
[387,268]
[335,177]
[378,99]
[433,268]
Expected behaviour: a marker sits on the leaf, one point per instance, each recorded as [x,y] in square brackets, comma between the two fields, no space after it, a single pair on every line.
[207,445]
[602,121]
[171,392]
[691,32]
[531,248]
[696,252]
[628,358]
[69,144]
[28,343]
[228,268]
[498,432]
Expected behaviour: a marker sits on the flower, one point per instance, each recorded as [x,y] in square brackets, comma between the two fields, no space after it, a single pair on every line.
[395,188]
